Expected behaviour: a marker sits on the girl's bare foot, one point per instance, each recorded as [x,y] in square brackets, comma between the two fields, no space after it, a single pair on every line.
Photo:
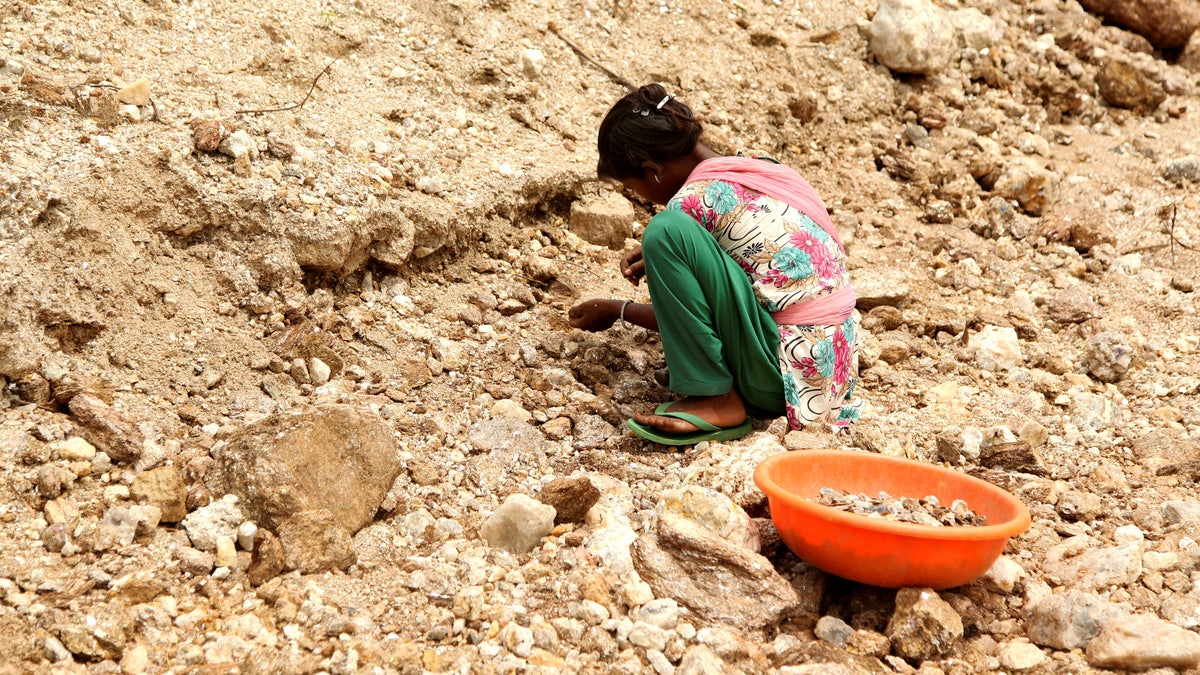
[726,410]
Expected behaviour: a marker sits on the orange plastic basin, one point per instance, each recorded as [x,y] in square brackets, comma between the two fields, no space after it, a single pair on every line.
[874,550]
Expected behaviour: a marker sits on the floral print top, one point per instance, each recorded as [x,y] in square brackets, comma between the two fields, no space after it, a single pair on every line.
[789,258]
[787,255]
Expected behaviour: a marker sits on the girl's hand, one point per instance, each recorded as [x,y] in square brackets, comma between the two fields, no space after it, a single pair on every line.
[594,315]
[632,266]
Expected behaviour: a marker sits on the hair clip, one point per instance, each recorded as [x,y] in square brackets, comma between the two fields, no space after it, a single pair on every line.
[639,110]
[663,102]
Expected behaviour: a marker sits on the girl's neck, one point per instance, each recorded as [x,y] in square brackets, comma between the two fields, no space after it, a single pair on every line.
[686,165]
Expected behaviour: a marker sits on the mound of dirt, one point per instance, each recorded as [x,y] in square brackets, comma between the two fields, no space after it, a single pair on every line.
[214,214]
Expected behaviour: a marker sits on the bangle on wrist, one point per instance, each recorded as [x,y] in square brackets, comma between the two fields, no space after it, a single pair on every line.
[623,306]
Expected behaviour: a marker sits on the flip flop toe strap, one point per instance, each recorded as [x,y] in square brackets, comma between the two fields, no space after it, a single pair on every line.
[701,424]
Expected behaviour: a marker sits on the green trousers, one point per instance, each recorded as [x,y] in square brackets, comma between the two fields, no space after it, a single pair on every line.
[715,335]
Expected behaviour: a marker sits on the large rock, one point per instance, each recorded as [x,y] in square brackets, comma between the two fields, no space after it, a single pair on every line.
[164,488]
[1072,304]
[218,519]
[1034,187]
[605,219]
[519,524]
[1079,563]
[923,626]
[334,457]
[1109,356]
[570,497]
[712,511]
[99,637]
[1183,169]
[714,578]
[1142,642]
[996,348]
[1167,24]
[1123,85]
[1093,412]
[1069,620]
[1162,447]
[912,36]
[106,428]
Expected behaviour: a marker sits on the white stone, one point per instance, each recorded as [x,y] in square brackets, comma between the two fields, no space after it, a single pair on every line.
[662,613]
[511,409]
[107,145]
[977,30]
[226,552]
[911,36]
[533,61]
[54,650]
[1033,433]
[237,144]
[610,545]
[996,348]
[637,593]
[1021,656]
[318,371]
[713,511]
[1160,561]
[1003,575]
[74,449]
[1128,534]
[245,535]
[972,438]
[13,67]
[205,524]
[591,612]
[1129,264]
[659,662]
[519,524]
[1093,412]
[648,636]
[136,93]
[135,660]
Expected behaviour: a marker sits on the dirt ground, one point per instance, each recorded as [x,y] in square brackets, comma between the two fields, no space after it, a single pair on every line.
[401,202]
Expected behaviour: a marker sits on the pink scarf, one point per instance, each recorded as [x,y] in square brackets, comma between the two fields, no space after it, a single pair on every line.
[787,185]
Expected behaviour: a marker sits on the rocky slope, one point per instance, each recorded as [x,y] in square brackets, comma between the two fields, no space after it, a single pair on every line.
[288,382]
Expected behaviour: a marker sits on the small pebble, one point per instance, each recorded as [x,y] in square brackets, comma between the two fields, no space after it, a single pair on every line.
[55,651]
[245,535]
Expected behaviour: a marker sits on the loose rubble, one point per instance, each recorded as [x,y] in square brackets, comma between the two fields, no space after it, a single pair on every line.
[926,510]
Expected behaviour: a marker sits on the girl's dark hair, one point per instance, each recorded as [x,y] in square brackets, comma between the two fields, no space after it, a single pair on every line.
[636,130]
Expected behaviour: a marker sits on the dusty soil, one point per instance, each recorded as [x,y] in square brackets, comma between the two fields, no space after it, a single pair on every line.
[410,223]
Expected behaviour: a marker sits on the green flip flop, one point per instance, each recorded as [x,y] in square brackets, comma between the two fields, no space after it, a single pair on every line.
[708,432]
